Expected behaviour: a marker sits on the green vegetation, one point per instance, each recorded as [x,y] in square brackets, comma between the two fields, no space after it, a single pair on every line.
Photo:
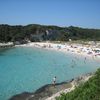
[34,32]
[90,90]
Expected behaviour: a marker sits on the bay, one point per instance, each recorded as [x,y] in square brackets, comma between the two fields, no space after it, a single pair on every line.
[27,69]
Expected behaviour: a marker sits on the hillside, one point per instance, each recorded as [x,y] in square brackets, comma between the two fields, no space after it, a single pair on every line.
[34,32]
[87,91]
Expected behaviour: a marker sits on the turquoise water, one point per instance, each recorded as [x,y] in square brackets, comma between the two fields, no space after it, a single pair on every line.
[27,69]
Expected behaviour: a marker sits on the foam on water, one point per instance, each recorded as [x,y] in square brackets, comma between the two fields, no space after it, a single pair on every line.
[27,69]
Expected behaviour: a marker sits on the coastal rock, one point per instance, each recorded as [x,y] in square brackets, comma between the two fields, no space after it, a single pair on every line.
[49,89]
[21,96]
[42,93]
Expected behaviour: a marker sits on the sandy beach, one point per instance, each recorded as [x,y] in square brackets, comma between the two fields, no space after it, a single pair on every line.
[80,49]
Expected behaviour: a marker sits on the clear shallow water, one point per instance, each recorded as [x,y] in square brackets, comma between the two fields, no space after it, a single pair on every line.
[27,69]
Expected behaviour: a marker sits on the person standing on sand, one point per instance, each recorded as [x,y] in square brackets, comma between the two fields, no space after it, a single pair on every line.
[54,81]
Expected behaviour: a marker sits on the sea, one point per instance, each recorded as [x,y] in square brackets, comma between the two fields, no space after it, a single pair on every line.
[28,68]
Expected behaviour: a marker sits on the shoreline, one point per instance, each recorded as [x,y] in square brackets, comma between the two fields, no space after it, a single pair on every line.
[6,45]
[49,92]
[75,83]
[77,49]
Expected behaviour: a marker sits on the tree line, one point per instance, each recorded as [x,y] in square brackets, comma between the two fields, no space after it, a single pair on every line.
[35,32]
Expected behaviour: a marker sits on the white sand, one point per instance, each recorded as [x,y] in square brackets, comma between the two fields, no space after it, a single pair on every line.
[79,49]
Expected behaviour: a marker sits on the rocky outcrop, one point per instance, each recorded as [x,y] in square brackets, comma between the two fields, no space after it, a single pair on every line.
[49,89]
[42,93]
[45,35]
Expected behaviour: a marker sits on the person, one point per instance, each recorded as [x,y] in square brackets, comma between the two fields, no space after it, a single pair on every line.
[54,81]
[85,60]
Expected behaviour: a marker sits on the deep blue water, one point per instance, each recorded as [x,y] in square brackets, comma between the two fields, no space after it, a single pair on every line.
[27,69]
